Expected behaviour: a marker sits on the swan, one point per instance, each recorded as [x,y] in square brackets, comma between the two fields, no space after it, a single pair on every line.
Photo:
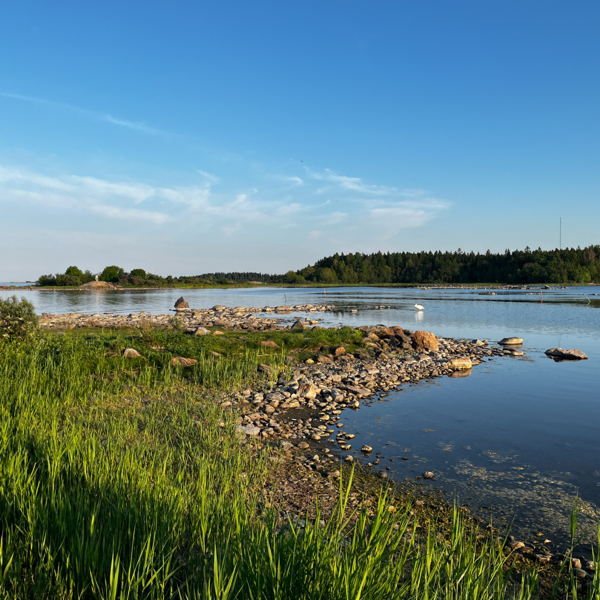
[419,307]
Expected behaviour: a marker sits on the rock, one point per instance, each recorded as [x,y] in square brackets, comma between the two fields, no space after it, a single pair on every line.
[324,359]
[183,362]
[217,308]
[218,332]
[340,350]
[201,331]
[579,573]
[511,341]
[428,475]
[308,391]
[566,354]
[98,285]
[426,340]
[576,563]
[542,558]
[590,565]
[248,429]
[264,368]
[349,459]
[298,325]
[269,344]
[514,545]
[303,445]
[181,304]
[131,352]
[460,364]
[366,449]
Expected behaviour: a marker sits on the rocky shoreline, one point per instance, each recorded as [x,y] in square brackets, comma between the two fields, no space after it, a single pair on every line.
[237,318]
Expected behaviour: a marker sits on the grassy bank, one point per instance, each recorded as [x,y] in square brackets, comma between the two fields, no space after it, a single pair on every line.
[123,478]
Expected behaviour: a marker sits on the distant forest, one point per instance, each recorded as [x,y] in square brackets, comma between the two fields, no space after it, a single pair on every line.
[521,266]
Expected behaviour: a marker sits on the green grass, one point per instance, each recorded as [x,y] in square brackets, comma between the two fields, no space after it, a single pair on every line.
[122,478]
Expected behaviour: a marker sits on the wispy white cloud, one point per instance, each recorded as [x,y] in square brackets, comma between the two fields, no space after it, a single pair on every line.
[354,184]
[85,112]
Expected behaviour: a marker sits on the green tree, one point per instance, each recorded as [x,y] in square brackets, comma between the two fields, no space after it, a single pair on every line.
[75,272]
[326,275]
[112,274]
[138,273]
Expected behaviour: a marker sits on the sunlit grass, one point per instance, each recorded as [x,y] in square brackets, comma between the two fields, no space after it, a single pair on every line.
[122,478]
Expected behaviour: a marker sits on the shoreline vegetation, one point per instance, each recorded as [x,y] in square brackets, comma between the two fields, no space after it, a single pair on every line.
[516,268]
[131,467]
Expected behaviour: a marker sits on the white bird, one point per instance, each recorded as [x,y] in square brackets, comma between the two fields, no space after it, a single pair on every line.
[419,307]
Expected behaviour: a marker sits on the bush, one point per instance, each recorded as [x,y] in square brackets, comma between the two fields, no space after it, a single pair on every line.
[68,280]
[46,280]
[18,320]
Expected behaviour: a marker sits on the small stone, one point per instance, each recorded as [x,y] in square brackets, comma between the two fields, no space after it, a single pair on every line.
[303,445]
[248,429]
[183,362]
[131,353]
[579,573]
[576,563]
[324,359]
[218,308]
[339,351]
[308,391]
[217,332]
[366,449]
[201,331]
[428,475]
[542,558]
[349,459]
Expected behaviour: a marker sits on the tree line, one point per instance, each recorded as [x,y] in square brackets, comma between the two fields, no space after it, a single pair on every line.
[74,276]
[580,265]
[571,265]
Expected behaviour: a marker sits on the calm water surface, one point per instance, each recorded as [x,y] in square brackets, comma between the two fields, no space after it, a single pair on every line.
[517,439]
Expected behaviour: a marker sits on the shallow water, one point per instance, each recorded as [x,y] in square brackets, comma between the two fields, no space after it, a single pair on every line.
[517,439]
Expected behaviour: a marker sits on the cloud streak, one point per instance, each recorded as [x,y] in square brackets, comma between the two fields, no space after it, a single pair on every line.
[141,127]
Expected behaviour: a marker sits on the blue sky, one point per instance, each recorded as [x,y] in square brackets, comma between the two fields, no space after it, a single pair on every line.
[186,137]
